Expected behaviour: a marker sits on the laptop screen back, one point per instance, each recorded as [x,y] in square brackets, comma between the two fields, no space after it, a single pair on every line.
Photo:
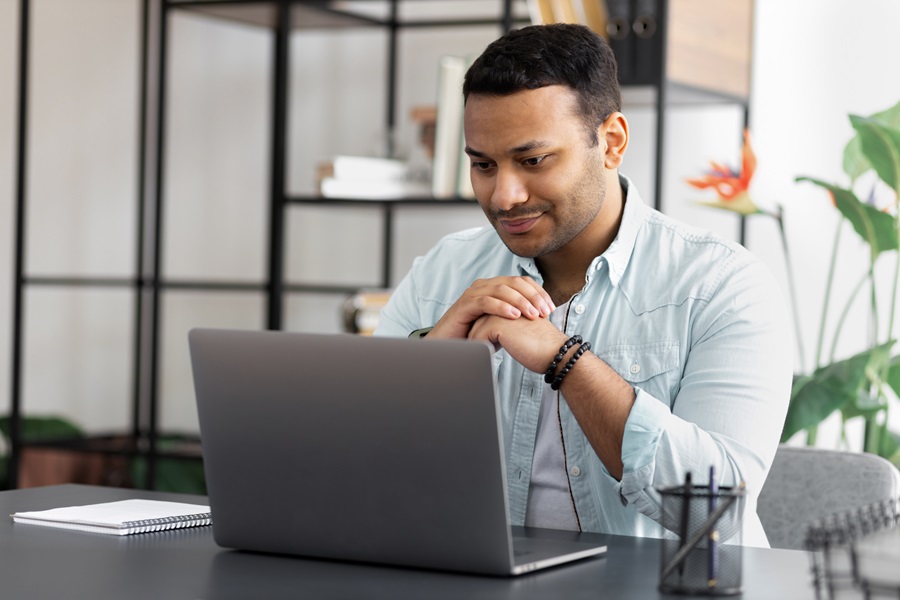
[355,448]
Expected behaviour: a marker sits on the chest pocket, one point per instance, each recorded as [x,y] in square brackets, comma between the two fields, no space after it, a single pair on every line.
[639,363]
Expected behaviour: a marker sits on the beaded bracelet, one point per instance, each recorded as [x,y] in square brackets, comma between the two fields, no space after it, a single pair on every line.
[565,370]
[551,370]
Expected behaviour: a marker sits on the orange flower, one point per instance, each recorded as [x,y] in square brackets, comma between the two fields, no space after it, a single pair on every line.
[732,187]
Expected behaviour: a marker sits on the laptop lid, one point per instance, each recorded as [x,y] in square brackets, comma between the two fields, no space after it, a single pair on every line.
[355,448]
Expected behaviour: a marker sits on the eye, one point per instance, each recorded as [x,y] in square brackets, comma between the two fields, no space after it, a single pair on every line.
[481,165]
[534,160]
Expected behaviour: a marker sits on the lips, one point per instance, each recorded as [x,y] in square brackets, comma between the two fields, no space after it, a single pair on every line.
[518,226]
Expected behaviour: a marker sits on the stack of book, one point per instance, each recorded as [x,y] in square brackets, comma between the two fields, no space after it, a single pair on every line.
[370,178]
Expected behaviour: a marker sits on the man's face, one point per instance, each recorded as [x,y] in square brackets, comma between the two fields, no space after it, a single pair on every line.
[534,173]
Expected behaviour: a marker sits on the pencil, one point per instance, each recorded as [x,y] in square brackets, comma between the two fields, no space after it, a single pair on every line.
[685,516]
[713,562]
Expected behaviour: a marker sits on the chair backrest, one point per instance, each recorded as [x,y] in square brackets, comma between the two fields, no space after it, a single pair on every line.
[806,484]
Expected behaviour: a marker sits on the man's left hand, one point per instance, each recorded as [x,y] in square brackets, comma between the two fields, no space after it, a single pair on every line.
[533,343]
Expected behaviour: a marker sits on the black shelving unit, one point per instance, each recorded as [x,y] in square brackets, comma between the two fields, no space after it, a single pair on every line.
[148,284]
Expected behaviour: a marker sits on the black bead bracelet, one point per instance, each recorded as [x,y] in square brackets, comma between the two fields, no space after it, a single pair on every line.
[565,370]
[551,370]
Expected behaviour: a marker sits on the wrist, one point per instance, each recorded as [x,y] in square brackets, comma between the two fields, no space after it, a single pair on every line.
[564,360]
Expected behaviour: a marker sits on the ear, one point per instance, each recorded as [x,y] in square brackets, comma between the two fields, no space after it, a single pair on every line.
[615,131]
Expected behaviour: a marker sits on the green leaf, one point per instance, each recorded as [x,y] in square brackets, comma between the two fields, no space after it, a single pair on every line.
[893,376]
[865,405]
[829,388]
[42,428]
[881,146]
[855,162]
[874,226]
[889,444]
[889,116]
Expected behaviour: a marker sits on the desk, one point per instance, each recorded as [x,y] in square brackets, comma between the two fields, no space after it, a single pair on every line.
[38,562]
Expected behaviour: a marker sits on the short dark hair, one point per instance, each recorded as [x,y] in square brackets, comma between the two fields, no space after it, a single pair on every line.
[542,55]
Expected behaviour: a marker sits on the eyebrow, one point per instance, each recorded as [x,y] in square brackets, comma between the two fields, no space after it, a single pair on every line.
[526,147]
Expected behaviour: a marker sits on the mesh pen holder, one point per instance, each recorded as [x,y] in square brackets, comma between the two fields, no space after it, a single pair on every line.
[706,556]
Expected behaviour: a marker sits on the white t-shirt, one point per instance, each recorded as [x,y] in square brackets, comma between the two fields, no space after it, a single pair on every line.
[549,499]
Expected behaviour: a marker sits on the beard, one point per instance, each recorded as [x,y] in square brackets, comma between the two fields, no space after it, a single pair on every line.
[570,217]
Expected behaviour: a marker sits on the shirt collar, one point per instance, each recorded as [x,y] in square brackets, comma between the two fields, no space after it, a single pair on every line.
[619,252]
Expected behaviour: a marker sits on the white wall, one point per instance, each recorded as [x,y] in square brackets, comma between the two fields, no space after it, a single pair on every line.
[809,71]
[813,65]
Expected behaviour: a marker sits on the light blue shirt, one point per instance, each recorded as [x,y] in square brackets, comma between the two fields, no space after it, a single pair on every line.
[695,323]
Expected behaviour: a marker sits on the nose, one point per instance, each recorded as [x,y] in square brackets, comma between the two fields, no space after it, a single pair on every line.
[509,189]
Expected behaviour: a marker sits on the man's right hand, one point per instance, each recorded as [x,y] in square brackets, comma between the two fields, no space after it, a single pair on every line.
[507,297]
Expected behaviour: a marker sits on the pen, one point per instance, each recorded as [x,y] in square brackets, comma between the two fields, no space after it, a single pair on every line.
[713,563]
[685,516]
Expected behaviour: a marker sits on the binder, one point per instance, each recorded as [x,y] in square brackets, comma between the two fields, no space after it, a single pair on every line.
[646,29]
[621,39]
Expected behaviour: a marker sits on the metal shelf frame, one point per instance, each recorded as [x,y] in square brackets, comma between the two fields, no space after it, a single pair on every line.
[148,282]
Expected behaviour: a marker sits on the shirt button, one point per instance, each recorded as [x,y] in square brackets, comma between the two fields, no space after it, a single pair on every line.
[579,309]
[575,471]
[635,369]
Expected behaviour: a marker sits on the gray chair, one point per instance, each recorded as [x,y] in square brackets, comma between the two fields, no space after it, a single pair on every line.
[806,484]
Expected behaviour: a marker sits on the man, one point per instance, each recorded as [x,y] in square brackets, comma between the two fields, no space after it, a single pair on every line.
[683,361]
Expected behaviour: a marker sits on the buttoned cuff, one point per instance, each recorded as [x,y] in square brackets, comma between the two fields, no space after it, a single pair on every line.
[643,432]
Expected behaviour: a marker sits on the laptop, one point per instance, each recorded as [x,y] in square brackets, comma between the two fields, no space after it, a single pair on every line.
[376,450]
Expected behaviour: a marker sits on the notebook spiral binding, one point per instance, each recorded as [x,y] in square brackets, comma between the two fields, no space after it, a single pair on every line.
[165,523]
[831,540]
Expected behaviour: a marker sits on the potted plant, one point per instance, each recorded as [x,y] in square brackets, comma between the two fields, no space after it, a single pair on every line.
[862,386]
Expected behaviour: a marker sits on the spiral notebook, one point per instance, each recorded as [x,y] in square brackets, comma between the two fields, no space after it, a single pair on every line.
[855,554]
[123,517]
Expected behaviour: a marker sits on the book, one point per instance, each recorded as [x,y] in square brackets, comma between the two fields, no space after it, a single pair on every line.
[365,168]
[564,11]
[369,178]
[545,12]
[448,138]
[464,187]
[122,517]
[541,12]
[331,187]
[595,17]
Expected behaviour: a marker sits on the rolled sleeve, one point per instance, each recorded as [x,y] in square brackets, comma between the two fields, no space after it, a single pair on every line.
[729,407]
[644,429]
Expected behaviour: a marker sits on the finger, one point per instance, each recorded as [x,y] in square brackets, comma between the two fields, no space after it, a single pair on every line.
[536,295]
[523,293]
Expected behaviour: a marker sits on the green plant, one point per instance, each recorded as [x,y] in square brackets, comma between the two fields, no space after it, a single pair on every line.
[42,428]
[861,386]
[183,475]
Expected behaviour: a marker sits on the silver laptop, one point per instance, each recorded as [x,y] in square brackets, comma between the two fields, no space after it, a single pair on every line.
[377,450]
